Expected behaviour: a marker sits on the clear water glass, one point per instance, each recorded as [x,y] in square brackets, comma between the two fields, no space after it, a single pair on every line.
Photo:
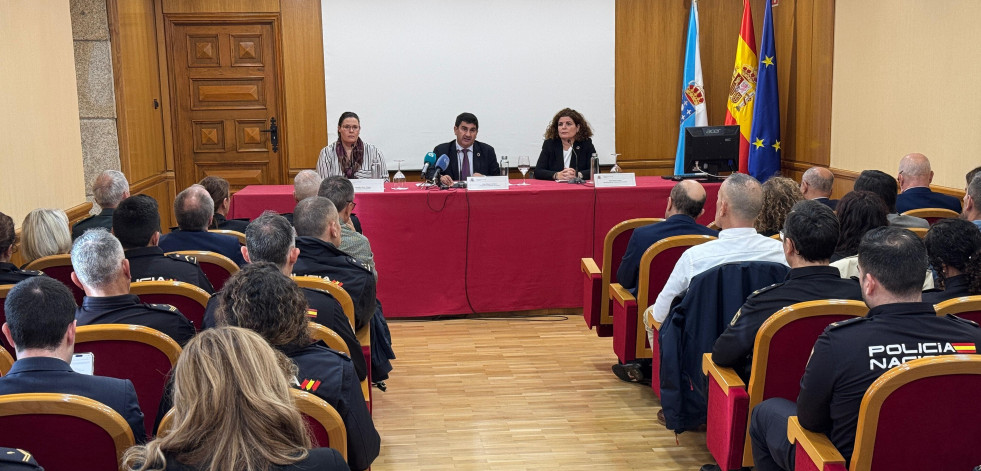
[616,168]
[398,181]
[524,164]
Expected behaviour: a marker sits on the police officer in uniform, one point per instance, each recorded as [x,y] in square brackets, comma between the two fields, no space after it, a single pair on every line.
[15,459]
[108,189]
[194,210]
[261,298]
[316,223]
[850,355]
[136,223]
[9,273]
[103,272]
[270,238]
[810,233]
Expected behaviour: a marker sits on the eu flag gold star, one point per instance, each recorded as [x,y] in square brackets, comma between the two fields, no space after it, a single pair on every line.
[768,61]
[777,146]
[758,143]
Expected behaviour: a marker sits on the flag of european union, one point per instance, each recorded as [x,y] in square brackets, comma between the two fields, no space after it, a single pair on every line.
[764,142]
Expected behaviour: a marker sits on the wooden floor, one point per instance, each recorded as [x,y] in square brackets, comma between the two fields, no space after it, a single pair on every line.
[516,394]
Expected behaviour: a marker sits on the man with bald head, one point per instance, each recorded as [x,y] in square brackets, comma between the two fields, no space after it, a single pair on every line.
[739,203]
[914,181]
[195,209]
[816,184]
[305,184]
[108,189]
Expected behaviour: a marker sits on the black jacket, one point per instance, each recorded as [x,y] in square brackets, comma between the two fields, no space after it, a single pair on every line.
[550,161]
[484,159]
[10,274]
[954,287]
[319,258]
[238,225]
[103,219]
[150,264]
[127,309]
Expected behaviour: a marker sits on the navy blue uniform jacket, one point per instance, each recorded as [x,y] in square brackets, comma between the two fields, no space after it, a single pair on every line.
[923,197]
[644,237]
[150,264]
[203,240]
[127,309]
[53,375]
[319,258]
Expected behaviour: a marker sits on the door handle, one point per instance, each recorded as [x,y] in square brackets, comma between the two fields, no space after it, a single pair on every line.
[273,134]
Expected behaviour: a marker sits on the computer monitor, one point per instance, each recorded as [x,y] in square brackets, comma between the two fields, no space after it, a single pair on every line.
[711,149]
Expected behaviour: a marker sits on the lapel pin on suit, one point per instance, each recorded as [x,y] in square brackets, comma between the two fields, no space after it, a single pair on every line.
[577,147]
[477,154]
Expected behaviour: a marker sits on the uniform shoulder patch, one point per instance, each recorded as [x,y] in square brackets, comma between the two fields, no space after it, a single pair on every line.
[32,272]
[359,264]
[961,319]
[847,322]
[763,290]
[310,385]
[162,307]
[183,258]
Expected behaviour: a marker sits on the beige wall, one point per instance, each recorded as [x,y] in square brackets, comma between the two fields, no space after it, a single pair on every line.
[39,126]
[905,80]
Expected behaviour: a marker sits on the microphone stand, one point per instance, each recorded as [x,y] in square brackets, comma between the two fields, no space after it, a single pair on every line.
[575,166]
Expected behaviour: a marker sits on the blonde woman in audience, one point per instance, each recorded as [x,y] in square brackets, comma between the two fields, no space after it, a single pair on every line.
[45,232]
[780,194]
[225,419]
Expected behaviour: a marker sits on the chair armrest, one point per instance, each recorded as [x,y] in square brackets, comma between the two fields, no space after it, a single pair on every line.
[817,445]
[726,377]
[621,295]
[364,335]
[655,325]
[588,266]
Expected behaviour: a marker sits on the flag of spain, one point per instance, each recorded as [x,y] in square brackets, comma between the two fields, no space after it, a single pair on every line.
[742,88]
[964,347]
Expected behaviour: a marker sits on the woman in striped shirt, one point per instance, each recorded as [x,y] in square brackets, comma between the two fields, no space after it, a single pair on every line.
[349,156]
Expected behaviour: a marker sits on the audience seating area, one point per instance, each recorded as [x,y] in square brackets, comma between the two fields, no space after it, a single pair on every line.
[217,267]
[187,298]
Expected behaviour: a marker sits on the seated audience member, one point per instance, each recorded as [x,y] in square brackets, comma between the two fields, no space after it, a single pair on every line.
[102,271]
[971,174]
[41,327]
[780,194]
[914,180]
[9,273]
[349,156]
[858,213]
[809,236]
[739,203]
[108,189]
[340,191]
[223,421]
[136,223]
[194,210]
[816,184]
[685,203]
[44,233]
[305,184]
[270,238]
[319,235]
[259,297]
[849,356]
[567,148]
[954,249]
[468,156]
[972,197]
[218,189]
[883,185]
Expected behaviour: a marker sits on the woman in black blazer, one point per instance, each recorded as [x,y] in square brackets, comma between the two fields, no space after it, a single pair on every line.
[567,148]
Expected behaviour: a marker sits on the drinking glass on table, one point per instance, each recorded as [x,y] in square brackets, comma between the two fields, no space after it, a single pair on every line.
[616,168]
[398,181]
[523,165]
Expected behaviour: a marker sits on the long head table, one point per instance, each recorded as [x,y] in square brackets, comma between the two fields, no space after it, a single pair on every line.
[458,251]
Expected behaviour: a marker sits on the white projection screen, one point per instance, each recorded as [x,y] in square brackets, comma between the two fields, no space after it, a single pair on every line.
[408,68]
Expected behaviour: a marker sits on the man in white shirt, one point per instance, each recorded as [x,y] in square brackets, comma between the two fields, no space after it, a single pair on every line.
[739,202]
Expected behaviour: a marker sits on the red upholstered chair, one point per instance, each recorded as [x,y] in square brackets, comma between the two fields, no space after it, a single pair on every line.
[190,300]
[6,362]
[4,289]
[932,215]
[920,415]
[597,304]
[629,333]
[236,234]
[60,268]
[63,431]
[326,335]
[217,267]
[137,353]
[968,307]
[324,422]
[783,345]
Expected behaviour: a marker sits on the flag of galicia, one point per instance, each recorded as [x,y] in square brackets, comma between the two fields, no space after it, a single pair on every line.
[693,110]
[764,142]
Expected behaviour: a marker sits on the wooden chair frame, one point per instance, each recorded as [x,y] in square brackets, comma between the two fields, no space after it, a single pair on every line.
[128,333]
[4,290]
[932,215]
[173,288]
[919,231]
[58,260]
[326,415]
[214,258]
[958,305]
[76,406]
[6,362]
[236,234]
[315,282]
[824,454]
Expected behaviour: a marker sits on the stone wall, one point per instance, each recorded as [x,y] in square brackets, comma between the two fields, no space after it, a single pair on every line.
[96,92]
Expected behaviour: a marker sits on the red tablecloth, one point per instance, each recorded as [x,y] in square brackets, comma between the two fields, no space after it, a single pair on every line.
[458,251]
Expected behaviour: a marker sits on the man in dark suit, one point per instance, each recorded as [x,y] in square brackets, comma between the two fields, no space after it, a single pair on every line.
[108,189]
[194,209]
[41,327]
[914,181]
[102,271]
[480,158]
[816,184]
[136,223]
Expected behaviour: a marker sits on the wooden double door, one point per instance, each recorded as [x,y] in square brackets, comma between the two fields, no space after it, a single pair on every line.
[226,81]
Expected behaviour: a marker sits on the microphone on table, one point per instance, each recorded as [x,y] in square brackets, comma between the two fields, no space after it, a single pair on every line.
[441,165]
[428,162]
[575,166]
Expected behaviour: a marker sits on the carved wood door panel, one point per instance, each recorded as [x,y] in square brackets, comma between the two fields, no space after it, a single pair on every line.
[226,80]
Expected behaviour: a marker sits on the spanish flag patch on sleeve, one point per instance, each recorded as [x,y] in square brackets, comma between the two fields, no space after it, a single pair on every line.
[309,385]
[964,347]
[312,313]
